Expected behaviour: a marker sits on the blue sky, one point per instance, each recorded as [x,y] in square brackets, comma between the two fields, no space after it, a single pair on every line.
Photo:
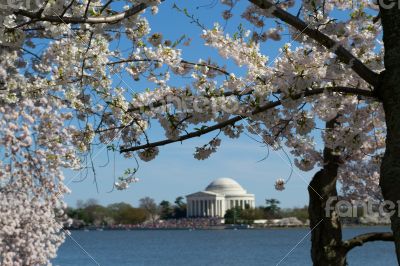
[175,172]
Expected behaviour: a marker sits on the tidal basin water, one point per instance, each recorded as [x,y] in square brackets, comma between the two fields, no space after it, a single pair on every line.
[209,247]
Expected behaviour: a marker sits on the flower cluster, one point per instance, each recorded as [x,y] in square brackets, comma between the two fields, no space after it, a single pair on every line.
[148,154]
[124,184]
[280,184]
[205,151]
[80,89]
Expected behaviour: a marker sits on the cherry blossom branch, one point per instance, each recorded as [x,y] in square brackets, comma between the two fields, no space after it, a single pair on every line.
[184,62]
[90,20]
[343,54]
[160,103]
[232,121]
[364,238]
[184,137]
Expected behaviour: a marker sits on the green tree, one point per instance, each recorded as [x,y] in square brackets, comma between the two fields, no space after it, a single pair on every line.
[232,215]
[272,209]
[248,215]
[124,213]
[166,210]
[179,208]
[96,215]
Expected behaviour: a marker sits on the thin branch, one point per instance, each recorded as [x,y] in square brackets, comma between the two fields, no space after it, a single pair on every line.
[90,20]
[364,238]
[31,53]
[84,58]
[38,14]
[105,6]
[260,109]
[67,8]
[221,70]
[344,55]
[87,8]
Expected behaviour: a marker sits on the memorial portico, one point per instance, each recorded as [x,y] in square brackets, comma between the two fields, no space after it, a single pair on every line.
[218,197]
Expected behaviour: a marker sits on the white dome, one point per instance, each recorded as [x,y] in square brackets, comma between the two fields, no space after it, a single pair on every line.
[226,186]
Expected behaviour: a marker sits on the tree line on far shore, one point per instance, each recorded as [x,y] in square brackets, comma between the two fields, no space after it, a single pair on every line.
[91,213]
[270,210]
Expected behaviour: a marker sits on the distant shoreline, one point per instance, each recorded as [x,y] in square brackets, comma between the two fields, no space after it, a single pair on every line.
[237,227]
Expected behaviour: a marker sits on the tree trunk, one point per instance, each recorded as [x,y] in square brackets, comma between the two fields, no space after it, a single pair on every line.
[326,234]
[389,92]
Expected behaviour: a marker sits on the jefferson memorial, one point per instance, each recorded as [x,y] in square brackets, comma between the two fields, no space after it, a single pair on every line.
[219,196]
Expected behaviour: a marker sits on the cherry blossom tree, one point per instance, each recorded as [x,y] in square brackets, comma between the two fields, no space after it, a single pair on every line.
[36,140]
[58,102]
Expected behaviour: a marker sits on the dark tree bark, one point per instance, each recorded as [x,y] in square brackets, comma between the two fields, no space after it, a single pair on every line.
[326,230]
[327,246]
[389,92]
[364,238]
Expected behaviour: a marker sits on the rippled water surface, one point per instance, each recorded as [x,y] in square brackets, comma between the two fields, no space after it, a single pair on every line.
[209,247]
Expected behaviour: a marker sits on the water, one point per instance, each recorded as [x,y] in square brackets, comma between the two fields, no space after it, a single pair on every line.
[209,247]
